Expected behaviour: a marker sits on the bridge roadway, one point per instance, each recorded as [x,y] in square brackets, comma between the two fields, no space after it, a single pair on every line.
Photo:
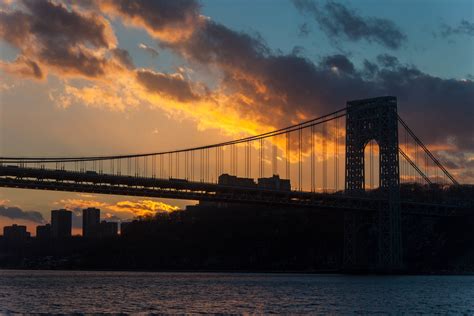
[91,182]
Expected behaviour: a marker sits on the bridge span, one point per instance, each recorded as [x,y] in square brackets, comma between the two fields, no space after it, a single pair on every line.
[92,182]
[361,153]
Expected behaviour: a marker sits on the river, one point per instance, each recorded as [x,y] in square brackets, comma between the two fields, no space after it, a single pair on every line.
[178,293]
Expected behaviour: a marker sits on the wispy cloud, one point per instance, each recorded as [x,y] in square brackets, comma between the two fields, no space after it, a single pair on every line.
[463,28]
[341,22]
[150,50]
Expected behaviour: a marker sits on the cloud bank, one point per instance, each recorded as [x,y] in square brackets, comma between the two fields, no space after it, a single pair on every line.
[17,213]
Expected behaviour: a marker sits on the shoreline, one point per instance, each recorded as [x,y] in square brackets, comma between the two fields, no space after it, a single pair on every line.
[213,271]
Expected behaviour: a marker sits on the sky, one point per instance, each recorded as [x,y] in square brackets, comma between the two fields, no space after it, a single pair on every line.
[103,77]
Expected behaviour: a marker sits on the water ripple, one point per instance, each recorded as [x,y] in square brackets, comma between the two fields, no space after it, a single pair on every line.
[195,293]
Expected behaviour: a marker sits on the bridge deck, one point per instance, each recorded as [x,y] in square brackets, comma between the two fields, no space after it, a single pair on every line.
[91,182]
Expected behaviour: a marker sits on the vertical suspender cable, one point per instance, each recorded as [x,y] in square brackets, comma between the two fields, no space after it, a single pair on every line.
[336,157]
[287,155]
[313,189]
[274,159]
[325,163]
[300,158]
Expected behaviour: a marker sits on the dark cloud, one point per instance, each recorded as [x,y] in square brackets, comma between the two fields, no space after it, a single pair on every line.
[158,13]
[297,50]
[464,28]
[340,62]
[291,84]
[124,58]
[388,61]
[369,69]
[53,22]
[455,160]
[67,60]
[23,66]
[174,86]
[14,27]
[459,161]
[217,44]
[172,20]
[18,213]
[304,30]
[451,165]
[48,34]
[339,21]
[35,69]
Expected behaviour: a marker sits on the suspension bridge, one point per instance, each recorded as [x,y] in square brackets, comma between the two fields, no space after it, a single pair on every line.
[353,160]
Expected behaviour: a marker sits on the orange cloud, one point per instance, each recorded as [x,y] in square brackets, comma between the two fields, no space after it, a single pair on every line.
[135,208]
[74,204]
[143,207]
[64,41]
[23,66]
[171,21]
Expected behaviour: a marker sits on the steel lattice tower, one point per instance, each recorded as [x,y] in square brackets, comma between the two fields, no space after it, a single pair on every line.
[374,119]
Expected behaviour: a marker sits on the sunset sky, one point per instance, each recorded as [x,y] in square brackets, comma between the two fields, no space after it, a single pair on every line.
[103,77]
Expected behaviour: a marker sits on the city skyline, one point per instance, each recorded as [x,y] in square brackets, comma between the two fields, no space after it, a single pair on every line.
[116,83]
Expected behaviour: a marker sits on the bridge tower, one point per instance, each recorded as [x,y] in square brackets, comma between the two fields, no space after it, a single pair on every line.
[374,119]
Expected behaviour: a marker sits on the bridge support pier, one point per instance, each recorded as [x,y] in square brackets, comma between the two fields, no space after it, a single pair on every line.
[389,236]
[350,241]
[366,120]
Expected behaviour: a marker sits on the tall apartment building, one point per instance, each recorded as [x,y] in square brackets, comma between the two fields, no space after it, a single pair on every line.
[61,223]
[90,221]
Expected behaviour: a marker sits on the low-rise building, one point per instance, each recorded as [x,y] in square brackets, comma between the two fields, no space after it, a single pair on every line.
[43,231]
[124,227]
[108,229]
[15,233]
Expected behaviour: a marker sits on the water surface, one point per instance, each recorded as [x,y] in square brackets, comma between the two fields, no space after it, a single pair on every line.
[151,292]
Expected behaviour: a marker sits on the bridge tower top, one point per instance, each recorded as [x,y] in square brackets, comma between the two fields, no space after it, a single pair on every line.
[372,119]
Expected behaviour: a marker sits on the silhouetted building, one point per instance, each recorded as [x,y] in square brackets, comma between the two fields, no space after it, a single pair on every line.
[15,233]
[43,231]
[207,204]
[61,223]
[226,179]
[274,183]
[105,230]
[108,229]
[123,227]
[90,221]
